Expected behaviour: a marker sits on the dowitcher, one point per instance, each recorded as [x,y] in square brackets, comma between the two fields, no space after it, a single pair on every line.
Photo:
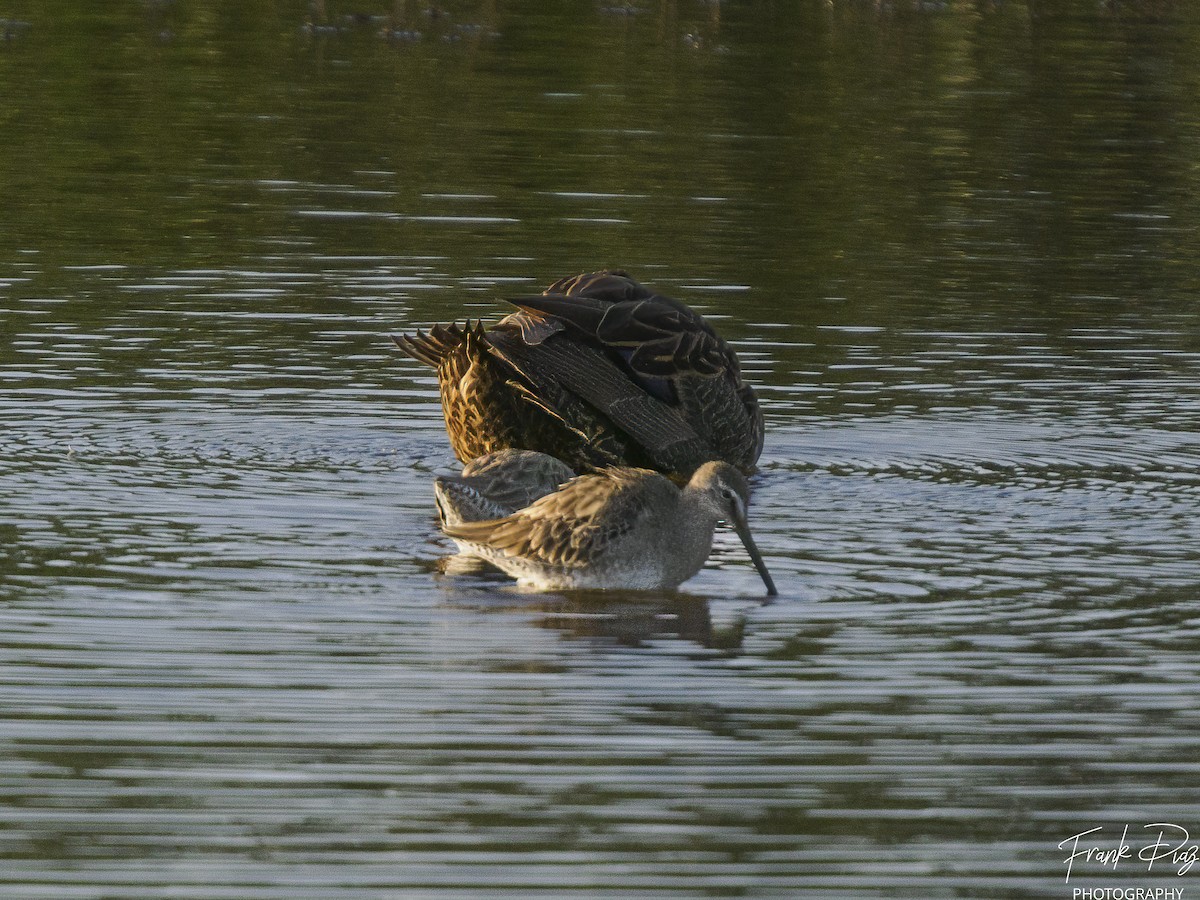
[618,527]
[497,485]
[596,371]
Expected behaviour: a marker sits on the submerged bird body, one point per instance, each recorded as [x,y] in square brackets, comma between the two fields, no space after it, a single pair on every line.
[497,485]
[596,371]
[619,527]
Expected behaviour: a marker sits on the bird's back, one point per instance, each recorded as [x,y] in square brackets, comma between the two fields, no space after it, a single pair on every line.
[596,371]
[612,517]
[674,386]
[497,485]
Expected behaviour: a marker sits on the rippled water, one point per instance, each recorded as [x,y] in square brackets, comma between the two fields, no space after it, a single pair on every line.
[953,248]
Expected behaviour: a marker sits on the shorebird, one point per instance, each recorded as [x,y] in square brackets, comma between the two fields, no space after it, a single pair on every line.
[497,485]
[618,527]
[596,371]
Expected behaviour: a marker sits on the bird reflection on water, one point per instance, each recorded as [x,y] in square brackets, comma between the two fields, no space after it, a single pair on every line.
[625,618]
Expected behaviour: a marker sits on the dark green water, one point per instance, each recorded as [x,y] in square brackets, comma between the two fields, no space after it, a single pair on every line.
[956,247]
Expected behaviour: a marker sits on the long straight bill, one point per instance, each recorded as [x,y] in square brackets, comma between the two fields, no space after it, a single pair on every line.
[743,529]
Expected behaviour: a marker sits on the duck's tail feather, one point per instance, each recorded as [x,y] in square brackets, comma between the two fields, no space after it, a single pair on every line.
[433,347]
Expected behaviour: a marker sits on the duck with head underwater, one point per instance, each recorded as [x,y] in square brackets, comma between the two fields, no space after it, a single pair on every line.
[596,371]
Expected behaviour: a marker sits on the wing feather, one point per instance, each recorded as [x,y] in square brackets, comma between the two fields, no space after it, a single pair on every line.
[572,526]
[667,338]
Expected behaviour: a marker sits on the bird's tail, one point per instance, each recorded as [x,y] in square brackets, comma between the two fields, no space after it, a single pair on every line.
[433,347]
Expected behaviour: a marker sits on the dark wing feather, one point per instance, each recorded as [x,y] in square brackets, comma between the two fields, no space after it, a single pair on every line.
[629,324]
[534,327]
[587,373]
[584,314]
[609,286]
[601,287]
[755,418]
[666,338]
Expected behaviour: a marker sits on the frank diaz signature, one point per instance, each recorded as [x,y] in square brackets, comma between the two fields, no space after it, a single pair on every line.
[1172,846]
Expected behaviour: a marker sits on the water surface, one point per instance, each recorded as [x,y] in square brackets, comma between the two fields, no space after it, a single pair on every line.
[954,246]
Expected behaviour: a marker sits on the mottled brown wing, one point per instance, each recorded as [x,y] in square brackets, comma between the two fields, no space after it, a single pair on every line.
[513,478]
[573,526]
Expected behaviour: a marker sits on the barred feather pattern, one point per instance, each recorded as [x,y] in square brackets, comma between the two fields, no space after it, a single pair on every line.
[576,526]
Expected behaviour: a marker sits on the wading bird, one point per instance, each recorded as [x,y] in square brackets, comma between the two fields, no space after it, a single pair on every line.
[618,527]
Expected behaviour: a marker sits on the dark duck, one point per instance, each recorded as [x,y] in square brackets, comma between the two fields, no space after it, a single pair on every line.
[597,371]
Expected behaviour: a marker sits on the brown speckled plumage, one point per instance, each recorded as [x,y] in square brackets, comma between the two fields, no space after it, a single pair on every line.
[497,485]
[616,527]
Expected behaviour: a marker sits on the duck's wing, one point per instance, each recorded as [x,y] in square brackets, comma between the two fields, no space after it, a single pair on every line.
[669,350]
[581,385]
[609,285]
[657,336]
[575,525]
[602,287]
[754,416]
